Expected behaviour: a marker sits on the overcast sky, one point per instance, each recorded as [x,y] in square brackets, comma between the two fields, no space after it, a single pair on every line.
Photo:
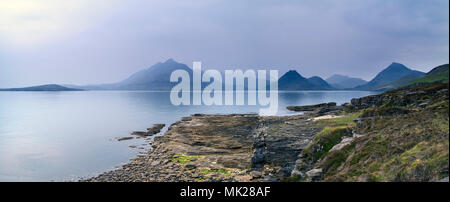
[101,41]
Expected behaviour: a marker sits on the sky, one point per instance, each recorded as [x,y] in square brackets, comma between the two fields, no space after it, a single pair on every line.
[103,41]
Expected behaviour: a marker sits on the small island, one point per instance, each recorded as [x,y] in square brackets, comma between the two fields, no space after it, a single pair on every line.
[48,87]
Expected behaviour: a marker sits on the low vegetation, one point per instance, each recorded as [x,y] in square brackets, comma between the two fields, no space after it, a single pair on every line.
[405,138]
[179,158]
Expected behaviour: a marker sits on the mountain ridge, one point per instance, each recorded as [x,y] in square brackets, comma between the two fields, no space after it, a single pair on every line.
[344,82]
[388,75]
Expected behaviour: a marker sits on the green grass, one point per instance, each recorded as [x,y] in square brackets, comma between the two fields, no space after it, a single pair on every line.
[347,119]
[410,147]
[435,78]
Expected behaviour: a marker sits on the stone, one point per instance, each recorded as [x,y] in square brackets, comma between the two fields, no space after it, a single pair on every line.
[314,174]
[139,133]
[344,142]
[190,166]
[156,128]
[124,138]
[255,174]
[155,163]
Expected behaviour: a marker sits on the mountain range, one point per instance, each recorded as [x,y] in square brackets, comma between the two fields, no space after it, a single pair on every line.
[157,77]
[344,82]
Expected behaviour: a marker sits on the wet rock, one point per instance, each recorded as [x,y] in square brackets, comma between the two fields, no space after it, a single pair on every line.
[139,133]
[124,138]
[311,107]
[156,128]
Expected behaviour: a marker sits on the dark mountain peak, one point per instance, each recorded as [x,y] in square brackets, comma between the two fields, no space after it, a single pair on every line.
[293,74]
[157,73]
[292,80]
[397,66]
[170,61]
[393,72]
[396,69]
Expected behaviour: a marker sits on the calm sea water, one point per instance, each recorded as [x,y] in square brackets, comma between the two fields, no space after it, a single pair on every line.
[59,136]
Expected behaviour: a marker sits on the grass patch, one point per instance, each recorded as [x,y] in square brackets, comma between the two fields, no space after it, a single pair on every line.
[183,159]
[347,119]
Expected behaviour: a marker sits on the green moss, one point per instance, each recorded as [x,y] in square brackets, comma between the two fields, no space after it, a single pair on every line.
[183,159]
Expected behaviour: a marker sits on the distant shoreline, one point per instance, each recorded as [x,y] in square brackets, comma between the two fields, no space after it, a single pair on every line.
[49,87]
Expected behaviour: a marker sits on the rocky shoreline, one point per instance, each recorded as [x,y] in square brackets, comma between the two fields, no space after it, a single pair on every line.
[235,147]
[395,136]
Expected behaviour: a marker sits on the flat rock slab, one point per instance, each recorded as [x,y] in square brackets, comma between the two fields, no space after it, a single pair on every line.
[235,147]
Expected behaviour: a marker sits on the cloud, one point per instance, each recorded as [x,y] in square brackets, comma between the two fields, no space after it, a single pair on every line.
[105,41]
[33,22]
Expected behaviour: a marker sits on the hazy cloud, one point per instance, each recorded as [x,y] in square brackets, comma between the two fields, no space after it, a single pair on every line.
[82,42]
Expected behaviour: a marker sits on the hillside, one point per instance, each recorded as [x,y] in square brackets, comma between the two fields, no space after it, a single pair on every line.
[436,75]
[400,135]
[400,82]
[317,81]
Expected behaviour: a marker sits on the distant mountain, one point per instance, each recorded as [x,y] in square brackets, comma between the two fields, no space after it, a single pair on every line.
[392,73]
[342,82]
[292,80]
[436,75]
[49,87]
[156,77]
[317,81]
